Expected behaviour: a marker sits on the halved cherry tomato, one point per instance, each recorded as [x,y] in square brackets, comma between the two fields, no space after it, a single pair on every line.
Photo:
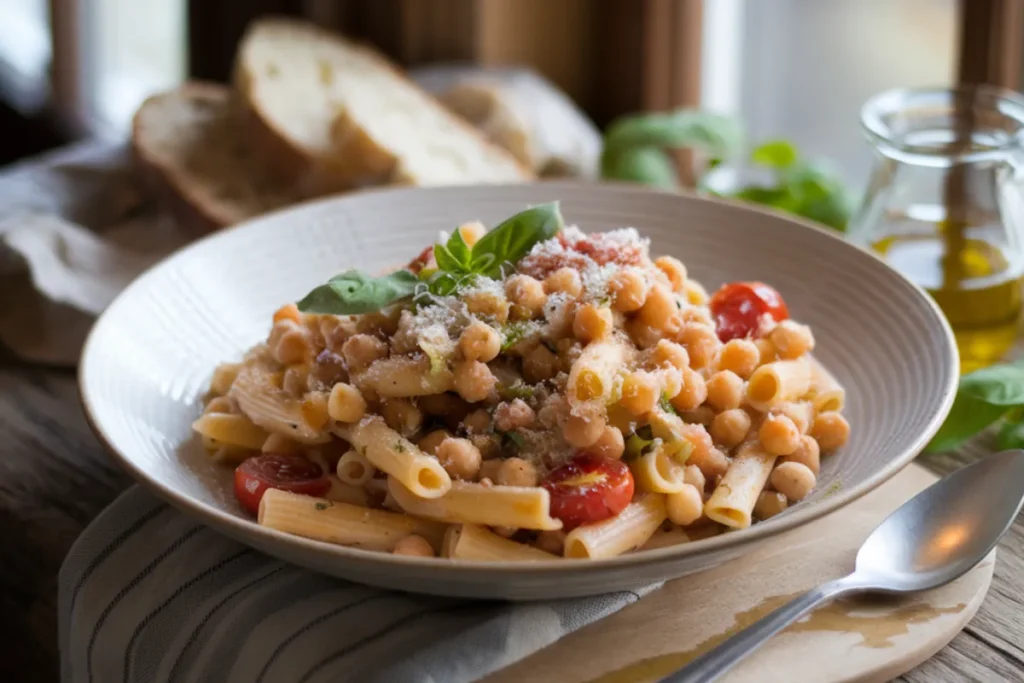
[589,489]
[421,261]
[274,471]
[739,308]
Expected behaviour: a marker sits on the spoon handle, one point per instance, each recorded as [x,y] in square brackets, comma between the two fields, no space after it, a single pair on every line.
[717,661]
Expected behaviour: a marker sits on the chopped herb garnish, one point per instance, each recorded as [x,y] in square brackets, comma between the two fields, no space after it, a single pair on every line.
[666,405]
[517,390]
[320,505]
[513,439]
[515,332]
[399,447]
[834,487]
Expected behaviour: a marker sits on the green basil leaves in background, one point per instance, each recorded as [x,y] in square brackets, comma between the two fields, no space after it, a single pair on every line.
[983,398]
[355,292]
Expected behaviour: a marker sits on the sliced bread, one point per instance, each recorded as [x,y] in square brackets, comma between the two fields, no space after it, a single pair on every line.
[338,114]
[194,156]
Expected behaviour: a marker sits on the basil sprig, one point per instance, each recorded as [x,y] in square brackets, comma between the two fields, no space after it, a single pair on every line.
[355,292]
[983,398]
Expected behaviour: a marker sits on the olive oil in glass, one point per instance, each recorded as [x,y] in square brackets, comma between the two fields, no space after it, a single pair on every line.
[945,207]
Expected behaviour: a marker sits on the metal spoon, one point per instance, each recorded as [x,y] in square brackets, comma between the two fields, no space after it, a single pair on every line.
[934,538]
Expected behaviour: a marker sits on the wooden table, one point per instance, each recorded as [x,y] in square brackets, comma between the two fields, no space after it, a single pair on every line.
[55,478]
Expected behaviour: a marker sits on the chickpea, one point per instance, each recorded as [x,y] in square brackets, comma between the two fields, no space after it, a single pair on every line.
[480,341]
[346,403]
[472,232]
[610,444]
[730,427]
[628,288]
[686,506]
[430,442]
[694,477]
[564,281]
[725,390]
[517,472]
[778,435]
[489,469]
[361,350]
[513,415]
[701,343]
[671,354]
[488,445]
[488,305]
[402,415]
[807,454]
[831,430]
[740,356]
[592,323]
[696,295]
[540,364]
[473,380]
[769,504]
[582,432]
[791,339]
[639,392]
[477,422]
[460,458]
[414,546]
[693,392]
[525,291]
[793,480]
[659,307]
[293,347]
[674,270]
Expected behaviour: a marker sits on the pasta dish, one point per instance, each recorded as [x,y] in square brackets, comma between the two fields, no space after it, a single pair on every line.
[525,393]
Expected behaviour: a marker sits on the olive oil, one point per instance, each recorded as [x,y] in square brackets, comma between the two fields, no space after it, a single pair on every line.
[975,282]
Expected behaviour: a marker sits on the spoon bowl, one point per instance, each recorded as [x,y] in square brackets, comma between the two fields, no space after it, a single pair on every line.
[932,539]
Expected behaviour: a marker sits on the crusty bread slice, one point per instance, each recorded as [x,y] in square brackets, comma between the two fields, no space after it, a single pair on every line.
[336,113]
[194,156]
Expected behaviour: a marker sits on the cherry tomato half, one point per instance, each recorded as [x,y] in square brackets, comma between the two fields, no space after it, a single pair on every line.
[421,261]
[739,308]
[589,489]
[274,471]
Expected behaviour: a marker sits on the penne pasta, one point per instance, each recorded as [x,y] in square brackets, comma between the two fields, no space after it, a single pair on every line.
[628,530]
[666,538]
[267,405]
[826,392]
[732,501]
[324,520]
[353,468]
[592,375]
[517,507]
[778,382]
[340,492]
[390,452]
[474,542]
[402,377]
[237,431]
[658,472]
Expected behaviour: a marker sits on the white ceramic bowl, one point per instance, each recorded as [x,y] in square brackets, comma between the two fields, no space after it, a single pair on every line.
[150,356]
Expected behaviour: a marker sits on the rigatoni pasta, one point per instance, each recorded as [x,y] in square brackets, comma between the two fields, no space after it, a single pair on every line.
[531,393]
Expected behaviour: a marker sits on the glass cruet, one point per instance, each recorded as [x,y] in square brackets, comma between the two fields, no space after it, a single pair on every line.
[944,206]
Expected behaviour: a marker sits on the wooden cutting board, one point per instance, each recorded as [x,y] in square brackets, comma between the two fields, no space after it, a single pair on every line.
[849,640]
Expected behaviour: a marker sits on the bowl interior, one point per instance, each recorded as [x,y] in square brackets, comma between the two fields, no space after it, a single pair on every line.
[150,356]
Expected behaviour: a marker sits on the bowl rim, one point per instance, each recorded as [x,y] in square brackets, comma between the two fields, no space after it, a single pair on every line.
[242,528]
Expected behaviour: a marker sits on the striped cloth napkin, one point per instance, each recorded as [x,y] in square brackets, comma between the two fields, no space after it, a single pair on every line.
[147,594]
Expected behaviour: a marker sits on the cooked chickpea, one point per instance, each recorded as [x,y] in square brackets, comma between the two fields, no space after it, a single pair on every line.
[414,546]
[730,427]
[513,415]
[460,458]
[472,232]
[765,350]
[686,506]
[487,304]
[704,415]
[778,435]
[479,341]
[693,392]
[725,390]
[525,291]
[402,415]
[517,472]
[711,461]
[831,430]
[540,364]
[658,308]
[609,445]
[313,409]
[564,281]
[671,380]
[582,432]
[701,344]
[696,295]
[674,270]
[694,477]
[793,480]
[489,469]
[474,380]
[361,350]
[791,339]
[628,288]
[769,504]
[551,541]
[807,454]
[639,392]
[293,347]
[346,403]
[477,422]
[740,356]
[670,353]
[430,442]
[643,335]
[592,323]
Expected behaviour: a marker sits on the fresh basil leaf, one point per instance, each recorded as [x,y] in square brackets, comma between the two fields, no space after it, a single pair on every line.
[354,292]
[447,261]
[459,249]
[514,238]
[777,197]
[717,135]
[646,165]
[1000,385]
[968,416]
[775,154]
[1011,435]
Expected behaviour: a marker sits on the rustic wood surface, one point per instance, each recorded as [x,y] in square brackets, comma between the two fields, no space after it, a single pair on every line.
[55,477]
